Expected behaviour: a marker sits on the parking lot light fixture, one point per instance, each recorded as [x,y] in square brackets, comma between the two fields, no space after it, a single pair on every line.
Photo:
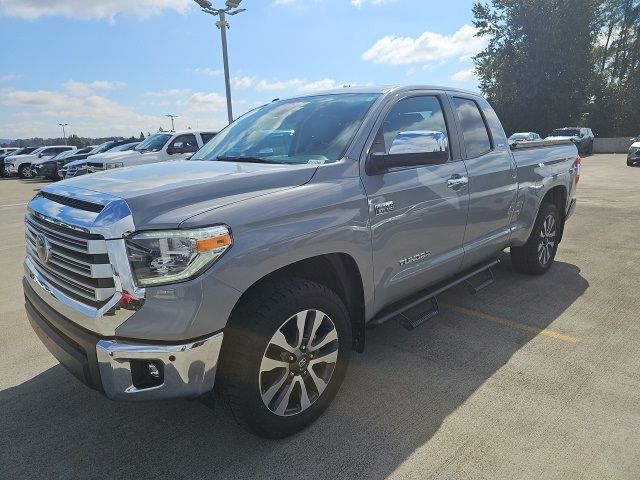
[222,24]
[173,127]
[64,133]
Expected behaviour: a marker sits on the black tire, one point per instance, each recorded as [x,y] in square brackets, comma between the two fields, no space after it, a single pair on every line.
[590,149]
[25,172]
[529,258]
[247,338]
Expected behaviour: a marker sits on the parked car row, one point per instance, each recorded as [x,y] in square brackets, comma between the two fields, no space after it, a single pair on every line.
[61,161]
[633,157]
[583,138]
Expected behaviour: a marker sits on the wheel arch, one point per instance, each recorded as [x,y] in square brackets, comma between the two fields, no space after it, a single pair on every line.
[337,271]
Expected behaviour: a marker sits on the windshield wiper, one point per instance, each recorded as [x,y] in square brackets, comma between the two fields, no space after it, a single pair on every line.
[231,158]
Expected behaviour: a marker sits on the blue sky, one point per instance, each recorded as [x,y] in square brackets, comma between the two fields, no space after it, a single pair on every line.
[110,67]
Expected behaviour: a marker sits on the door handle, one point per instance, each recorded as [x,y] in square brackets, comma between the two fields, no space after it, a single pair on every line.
[457,182]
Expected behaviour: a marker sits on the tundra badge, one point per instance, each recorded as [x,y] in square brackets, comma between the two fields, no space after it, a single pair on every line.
[383,208]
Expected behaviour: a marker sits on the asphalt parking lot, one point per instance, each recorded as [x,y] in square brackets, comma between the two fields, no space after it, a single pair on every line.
[534,377]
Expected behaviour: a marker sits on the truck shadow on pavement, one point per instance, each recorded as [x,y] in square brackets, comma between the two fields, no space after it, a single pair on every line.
[394,400]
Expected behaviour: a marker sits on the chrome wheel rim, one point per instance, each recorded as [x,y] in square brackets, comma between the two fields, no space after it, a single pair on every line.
[298,363]
[27,172]
[547,240]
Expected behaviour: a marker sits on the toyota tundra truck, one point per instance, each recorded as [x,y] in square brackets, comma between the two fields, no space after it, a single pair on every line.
[258,265]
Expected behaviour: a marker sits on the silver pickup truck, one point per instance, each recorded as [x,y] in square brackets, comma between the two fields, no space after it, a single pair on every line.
[258,264]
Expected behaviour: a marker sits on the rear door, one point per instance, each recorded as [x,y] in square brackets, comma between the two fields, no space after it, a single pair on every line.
[417,214]
[492,178]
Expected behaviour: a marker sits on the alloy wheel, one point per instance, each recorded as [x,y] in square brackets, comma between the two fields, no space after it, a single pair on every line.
[298,363]
[547,240]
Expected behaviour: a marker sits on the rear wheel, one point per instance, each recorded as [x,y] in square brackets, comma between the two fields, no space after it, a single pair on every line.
[284,356]
[537,255]
[25,172]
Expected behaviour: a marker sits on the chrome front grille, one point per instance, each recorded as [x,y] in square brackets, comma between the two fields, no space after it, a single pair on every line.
[78,263]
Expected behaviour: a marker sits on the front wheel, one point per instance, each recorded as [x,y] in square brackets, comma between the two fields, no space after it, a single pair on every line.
[284,356]
[25,172]
[537,255]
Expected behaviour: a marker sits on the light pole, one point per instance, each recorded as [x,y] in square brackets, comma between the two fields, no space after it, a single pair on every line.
[231,9]
[173,128]
[64,133]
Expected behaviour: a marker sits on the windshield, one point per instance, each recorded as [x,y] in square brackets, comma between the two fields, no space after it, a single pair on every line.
[565,132]
[100,148]
[154,143]
[302,130]
[126,146]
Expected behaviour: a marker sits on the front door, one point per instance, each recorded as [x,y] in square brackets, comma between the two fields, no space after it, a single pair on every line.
[418,214]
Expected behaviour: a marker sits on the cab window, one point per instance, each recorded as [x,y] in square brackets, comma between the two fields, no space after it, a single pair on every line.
[183,144]
[474,129]
[414,125]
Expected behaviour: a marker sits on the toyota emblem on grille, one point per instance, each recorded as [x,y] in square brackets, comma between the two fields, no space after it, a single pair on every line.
[43,248]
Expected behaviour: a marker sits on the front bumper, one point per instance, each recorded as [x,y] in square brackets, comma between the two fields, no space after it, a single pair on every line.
[44,170]
[109,364]
[10,168]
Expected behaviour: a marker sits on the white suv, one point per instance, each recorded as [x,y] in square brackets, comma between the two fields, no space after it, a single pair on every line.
[159,147]
[21,164]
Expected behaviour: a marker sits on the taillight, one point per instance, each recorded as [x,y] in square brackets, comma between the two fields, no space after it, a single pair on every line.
[578,168]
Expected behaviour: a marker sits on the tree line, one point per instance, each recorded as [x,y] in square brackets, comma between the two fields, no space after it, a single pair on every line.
[555,63]
[73,139]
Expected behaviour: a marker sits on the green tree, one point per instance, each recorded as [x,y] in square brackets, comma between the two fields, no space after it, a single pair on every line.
[537,67]
[615,107]
[76,141]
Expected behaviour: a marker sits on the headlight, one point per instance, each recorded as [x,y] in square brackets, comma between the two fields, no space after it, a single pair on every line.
[114,165]
[170,256]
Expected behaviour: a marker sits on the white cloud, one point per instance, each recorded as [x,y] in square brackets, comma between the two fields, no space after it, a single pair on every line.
[83,89]
[205,102]
[428,47]
[464,76]
[359,3]
[33,9]
[298,85]
[37,113]
[242,83]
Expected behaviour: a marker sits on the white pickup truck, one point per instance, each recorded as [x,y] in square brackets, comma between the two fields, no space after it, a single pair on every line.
[21,164]
[159,147]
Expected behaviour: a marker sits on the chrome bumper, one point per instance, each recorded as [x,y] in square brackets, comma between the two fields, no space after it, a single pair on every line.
[188,370]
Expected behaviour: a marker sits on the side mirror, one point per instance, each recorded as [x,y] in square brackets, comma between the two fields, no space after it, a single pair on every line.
[411,149]
[171,150]
[40,155]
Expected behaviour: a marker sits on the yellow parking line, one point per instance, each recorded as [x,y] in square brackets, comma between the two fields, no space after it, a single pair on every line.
[510,323]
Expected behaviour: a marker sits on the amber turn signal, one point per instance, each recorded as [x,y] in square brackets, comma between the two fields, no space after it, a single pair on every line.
[212,243]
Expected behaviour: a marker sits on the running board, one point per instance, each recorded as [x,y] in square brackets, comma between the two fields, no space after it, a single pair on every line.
[423,306]
[485,279]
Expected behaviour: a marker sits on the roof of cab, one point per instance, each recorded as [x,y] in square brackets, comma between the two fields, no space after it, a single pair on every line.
[383,89]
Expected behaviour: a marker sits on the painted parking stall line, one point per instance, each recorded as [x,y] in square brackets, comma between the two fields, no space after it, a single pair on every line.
[513,324]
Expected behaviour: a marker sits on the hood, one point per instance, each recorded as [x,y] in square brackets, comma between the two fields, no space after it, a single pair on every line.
[635,145]
[113,156]
[75,163]
[21,158]
[163,195]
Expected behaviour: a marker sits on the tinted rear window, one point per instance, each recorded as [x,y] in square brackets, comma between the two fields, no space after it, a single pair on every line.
[474,130]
